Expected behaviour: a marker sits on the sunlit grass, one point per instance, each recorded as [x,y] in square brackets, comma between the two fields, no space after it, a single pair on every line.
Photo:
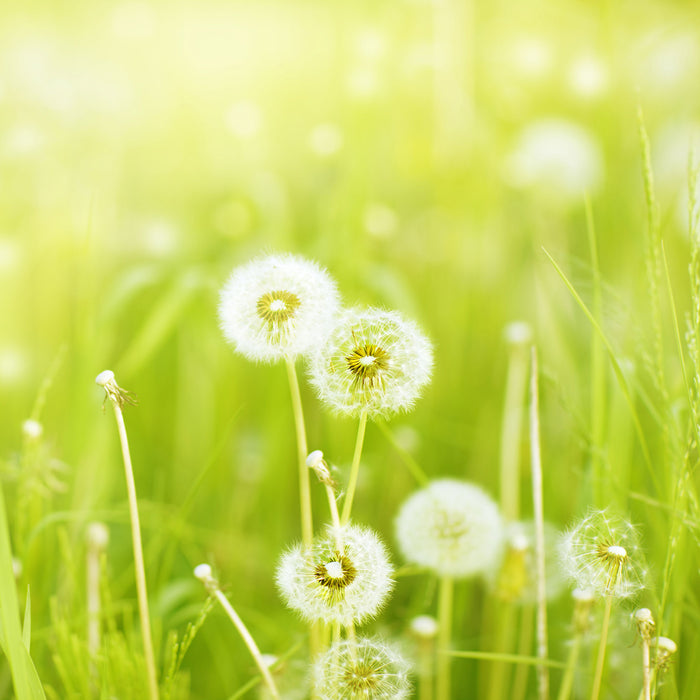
[148,148]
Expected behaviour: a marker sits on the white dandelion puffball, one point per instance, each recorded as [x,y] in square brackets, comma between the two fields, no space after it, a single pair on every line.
[345,585]
[374,361]
[558,156]
[451,527]
[602,553]
[363,670]
[277,306]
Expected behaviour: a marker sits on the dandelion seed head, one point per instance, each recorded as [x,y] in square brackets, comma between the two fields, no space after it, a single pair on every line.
[202,572]
[451,527]
[97,536]
[374,361]
[518,333]
[561,158]
[602,553]
[363,670]
[344,585]
[32,429]
[424,626]
[277,306]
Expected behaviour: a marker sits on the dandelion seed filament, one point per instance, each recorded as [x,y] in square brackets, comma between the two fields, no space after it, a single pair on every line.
[368,364]
[277,309]
[335,576]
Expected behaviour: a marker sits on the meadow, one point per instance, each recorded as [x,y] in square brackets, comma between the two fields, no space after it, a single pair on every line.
[470,165]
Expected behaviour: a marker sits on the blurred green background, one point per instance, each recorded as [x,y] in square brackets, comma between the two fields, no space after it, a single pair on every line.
[424,152]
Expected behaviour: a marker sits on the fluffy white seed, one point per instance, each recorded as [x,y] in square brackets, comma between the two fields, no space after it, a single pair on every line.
[363,670]
[277,306]
[601,552]
[374,361]
[346,586]
[451,527]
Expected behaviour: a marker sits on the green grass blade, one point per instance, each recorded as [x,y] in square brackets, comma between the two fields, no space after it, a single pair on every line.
[27,624]
[616,367]
[507,658]
[24,676]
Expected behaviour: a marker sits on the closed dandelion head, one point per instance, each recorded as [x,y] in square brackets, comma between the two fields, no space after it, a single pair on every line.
[363,670]
[374,361]
[602,553]
[515,578]
[345,576]
[451,527]
[277,306]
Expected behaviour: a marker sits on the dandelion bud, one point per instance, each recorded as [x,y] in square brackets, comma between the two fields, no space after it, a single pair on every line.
[583,603]
[346,585]
[373,361]
[602,552]
[425,627]
[204,573]
[115,393]
[17,568]
[515,579]
[518,333]
[665,649]
[276,307]
[452,527]
[104,378]
[316,462]
[32,430]
[645,623]
[361,670]
[97,536]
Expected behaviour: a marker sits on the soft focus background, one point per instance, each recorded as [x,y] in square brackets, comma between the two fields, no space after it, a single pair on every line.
[425,153]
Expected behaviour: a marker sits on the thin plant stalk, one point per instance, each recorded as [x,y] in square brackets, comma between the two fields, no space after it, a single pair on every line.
[445,597]
[524,646]
[307,525]
[504,634]
[307,528]
[249,642]
[97,538]
[117,398]
[355,469]
[571,662]
[538,507]
[511,430]
[600,661]
[646,670]
[426,653]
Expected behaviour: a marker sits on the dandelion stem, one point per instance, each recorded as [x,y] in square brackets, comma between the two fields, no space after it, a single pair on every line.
[536,458]
[355,469]
[139,567]
[511,429]
[249,641]
[426,653]
[600,661]
[445,597]
[307,527]
[568,680]
[646,669]
[524,647]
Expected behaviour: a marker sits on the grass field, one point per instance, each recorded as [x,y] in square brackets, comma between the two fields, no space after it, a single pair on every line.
[469,164]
